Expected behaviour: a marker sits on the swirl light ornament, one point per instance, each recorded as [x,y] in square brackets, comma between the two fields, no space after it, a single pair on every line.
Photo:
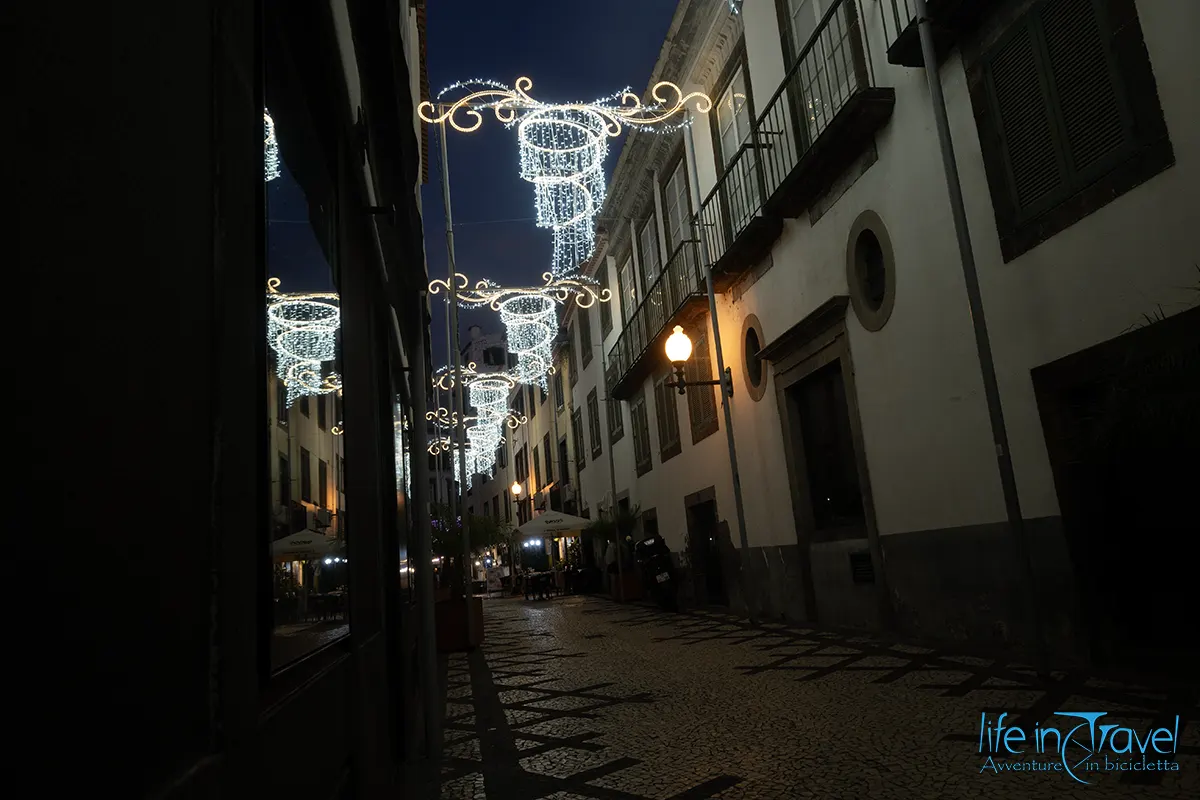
[488,394]
[529,314]
[302,329]
[563,147]
[270,147]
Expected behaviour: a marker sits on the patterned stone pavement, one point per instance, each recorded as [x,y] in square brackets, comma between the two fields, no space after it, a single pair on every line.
[584,698]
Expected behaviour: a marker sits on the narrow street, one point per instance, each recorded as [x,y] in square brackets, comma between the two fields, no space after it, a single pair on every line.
[583,698]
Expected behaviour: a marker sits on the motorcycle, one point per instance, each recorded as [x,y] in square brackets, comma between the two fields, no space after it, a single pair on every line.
[654,560]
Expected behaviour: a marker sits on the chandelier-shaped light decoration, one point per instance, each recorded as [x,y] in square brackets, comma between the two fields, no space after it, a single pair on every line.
[270,147]
[529,314]
[563,147]
[487,393]
[302,329]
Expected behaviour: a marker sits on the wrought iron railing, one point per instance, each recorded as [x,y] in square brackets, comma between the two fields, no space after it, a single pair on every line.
[680,279]
[897,16]
[833,66]
[735,201]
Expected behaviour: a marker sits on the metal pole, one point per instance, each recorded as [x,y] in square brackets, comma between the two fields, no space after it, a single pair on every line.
[460,430]
[612,472]
[726,387]
[991,390]
[418,442]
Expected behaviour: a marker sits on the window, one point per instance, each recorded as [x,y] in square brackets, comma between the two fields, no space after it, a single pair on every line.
[755,373]
[649,256]
[519,401]
[870,271]
[537,469]
[616,421]
[564,459]
[702,400]
[558,391]
[666,414]
[627,285]
[677,205]
[322,423]
[305,476]
[281,406]
[341,474]
[577,430]
[584,316]
[1067,110]
[834,68]
[502,455]
[285,483]
[521,466]
[733,134]
[304,404]
[572,367]
[533,405]
[508,509]
[641,433]
[606,321]
[496,508]
[832,469]
[549,455]
[323,484]
[594,434]
[495,357]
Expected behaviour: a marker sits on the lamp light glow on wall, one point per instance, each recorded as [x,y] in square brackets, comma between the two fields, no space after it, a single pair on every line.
[302,330]
[270,147]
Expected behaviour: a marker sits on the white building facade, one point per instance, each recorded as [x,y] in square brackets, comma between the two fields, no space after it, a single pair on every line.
[868,466]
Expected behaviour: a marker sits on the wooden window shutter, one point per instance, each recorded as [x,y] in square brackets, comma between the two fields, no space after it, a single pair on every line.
[1092,116]
[1024,121]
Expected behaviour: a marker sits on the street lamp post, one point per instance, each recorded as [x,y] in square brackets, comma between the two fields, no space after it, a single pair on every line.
[679,350]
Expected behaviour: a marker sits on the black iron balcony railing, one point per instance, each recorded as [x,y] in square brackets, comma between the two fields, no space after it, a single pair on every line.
[824,109]
[681,281]
[734,203]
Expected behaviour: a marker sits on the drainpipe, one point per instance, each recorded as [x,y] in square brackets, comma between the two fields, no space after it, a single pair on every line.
[1008,481]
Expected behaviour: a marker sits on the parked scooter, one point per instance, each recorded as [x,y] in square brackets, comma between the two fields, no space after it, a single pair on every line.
[654,560]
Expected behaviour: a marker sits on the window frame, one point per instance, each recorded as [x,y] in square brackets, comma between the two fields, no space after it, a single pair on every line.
[677,163]
[1148,150]
[606,315]
[595,434]
[699,368]
[666,407]
[649,223]
[577,430]
[738,62]
[305,475]
[627,310]
[641,434]
[585,336]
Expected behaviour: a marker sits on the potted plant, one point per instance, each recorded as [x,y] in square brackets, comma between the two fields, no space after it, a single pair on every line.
[451,606]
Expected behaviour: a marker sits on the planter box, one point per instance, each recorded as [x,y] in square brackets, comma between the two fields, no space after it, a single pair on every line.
[451,623]
[630,589]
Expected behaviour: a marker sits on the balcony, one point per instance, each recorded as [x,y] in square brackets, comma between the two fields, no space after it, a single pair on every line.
[950,20]
[824,114]
[678,295]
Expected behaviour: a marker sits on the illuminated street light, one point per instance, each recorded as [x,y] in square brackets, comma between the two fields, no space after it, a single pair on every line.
[515,489]
[679,350]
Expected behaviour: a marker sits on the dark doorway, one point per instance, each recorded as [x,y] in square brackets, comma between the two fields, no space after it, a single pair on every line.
[1121,424]
[705,553]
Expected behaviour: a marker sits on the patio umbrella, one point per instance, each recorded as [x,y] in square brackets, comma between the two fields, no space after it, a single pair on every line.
[551,523]
[303,545]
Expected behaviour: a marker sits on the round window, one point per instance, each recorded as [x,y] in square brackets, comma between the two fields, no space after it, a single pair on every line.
[754,368]
[870,271]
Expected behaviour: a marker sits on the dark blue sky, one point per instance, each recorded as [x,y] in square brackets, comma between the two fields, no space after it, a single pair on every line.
[571,50]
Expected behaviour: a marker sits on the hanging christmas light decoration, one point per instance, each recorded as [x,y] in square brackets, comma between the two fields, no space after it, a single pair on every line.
[302,329]
[487,394]
[403,463]
[529,314]
[270,147]
[563,147]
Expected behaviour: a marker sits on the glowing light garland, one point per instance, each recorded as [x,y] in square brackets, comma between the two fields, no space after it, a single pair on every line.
[529,314]
[270,147]
[488,394]
[302,330]
[563,147]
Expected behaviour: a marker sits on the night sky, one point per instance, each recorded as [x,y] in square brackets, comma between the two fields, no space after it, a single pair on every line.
[572,50]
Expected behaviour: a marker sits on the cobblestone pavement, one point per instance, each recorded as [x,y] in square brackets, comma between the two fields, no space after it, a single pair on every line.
[584,698]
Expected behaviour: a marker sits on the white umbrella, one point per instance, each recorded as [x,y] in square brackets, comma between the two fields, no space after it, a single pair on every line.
[553,522]
[303,545]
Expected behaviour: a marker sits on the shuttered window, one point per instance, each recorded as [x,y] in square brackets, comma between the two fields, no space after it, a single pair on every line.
[593,410]
[641,433]
[577,429]
[1066,105]
[666,413]
[616,420]
[702,400]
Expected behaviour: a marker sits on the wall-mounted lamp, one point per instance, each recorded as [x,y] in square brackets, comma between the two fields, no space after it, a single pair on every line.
[679,350]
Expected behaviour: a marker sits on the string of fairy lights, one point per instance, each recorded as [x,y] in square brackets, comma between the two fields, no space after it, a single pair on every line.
[562,148]
[302,329]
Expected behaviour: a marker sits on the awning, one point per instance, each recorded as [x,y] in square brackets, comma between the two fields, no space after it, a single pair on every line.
[303,545]
[551,523]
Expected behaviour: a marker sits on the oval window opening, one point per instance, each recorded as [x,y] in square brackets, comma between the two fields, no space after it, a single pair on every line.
[872,270]
[754,369]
